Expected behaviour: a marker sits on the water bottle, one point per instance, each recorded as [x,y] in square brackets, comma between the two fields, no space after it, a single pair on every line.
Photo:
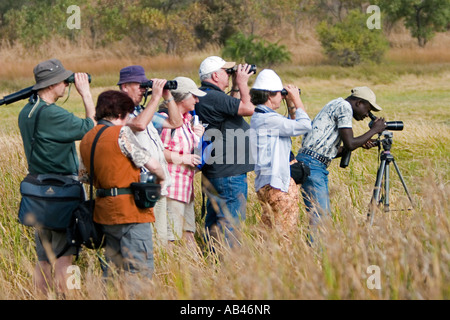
[144,177]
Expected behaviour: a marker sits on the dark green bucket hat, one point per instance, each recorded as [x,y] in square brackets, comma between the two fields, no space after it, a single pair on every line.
[49,72]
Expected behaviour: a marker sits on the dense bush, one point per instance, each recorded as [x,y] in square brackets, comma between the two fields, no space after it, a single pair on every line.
[350,42]
[255,50]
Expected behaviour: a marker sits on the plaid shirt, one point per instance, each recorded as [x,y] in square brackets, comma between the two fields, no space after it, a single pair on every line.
[182,141]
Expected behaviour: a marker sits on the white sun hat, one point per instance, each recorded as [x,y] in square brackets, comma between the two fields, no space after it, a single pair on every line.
[214,63]
[268,80]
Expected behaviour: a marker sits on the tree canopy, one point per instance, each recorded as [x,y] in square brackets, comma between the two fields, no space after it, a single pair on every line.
[423,18]
[180,26]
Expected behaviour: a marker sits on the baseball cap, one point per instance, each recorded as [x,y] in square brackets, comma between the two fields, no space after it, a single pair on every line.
[49,72]
[268,80]
[187,85]
[368,95]
[214,63]
[132,74]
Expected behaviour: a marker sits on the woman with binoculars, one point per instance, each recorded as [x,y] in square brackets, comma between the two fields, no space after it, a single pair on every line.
[271,147]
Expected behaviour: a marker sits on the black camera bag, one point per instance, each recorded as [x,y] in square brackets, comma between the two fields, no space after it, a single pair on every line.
[83,231]
[299,170]
[146,194]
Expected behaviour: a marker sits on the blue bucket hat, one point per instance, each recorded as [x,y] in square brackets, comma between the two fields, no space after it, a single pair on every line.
[132,74]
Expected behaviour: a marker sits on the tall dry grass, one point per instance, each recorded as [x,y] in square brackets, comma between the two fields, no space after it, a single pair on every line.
[17,62]
[410,247]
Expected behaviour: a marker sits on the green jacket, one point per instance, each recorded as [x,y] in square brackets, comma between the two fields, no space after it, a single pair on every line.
[54,149]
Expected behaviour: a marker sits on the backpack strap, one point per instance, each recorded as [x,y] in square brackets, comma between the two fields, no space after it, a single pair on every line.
[33,139]
[91,182]
[91,173]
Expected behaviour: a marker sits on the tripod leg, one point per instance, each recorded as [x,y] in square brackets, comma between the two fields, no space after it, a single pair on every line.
[376,191]
[386,188]
[403,182]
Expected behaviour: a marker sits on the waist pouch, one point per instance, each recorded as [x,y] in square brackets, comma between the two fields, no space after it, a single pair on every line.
[48,200]
[146,194]
[299,172]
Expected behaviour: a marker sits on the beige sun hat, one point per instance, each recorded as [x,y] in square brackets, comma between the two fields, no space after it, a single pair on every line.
[368,95]
[187,85]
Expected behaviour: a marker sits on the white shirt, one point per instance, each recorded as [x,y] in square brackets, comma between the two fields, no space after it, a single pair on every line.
[270,140]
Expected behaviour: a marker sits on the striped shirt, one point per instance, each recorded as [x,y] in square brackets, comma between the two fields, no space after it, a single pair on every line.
[182,141]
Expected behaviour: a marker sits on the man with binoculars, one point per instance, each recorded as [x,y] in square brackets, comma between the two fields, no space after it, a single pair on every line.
[49,144]
[226,173]
[146,122]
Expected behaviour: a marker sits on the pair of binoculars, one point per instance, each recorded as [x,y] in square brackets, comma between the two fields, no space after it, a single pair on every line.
[28,92]
[284,92]
[170,85]
[233,70]
[71,79]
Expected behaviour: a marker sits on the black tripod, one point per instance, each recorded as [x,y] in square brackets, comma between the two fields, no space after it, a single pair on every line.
[386,158]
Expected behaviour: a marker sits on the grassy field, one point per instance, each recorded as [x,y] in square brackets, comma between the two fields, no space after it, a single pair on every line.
[411,248]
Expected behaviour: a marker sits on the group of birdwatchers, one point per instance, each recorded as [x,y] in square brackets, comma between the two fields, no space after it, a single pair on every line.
[162,138]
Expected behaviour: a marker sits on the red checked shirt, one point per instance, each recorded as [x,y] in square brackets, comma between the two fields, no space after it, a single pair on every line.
[182,141]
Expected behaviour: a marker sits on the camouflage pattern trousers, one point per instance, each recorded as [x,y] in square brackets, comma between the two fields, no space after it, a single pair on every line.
[280,210]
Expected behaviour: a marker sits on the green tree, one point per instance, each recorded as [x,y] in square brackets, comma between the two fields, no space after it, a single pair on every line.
[336,10]
[255,50]
[351,42]
[106,20]
[36,22]
[423,18]
[171,32]
[220,21]
[6,5]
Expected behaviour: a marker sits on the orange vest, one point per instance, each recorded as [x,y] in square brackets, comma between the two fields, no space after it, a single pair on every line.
[113,170]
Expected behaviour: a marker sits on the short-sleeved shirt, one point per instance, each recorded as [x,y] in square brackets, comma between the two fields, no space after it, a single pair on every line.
[324,137]
[54,149]
[150,140]
[229,132]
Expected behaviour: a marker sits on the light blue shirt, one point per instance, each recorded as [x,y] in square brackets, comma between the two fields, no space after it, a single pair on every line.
[157,119]
[270,139]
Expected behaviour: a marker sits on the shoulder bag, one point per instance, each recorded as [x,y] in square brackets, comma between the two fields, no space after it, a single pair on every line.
[83,231]
[48,200]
